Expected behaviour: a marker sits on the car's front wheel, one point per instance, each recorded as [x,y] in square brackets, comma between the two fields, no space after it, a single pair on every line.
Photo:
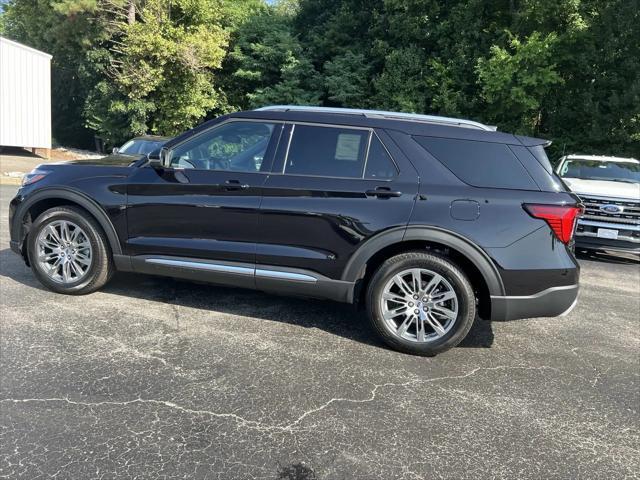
[68,251]
[420,303]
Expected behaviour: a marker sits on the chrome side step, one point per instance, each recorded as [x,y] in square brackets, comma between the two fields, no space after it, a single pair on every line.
[268,278]
[233,269]
[278,274]
[211,267]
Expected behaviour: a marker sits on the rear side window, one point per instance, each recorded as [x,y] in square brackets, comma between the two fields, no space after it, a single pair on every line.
[481,164]
[327,151]
[379,163]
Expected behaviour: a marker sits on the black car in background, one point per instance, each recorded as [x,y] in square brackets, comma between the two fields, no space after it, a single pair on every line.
[427,221]
[141,145]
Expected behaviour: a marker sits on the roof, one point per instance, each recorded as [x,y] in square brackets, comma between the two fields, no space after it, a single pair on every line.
[408,124]
[601,158]
[24,47]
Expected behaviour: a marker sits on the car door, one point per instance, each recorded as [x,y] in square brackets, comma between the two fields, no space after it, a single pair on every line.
[332,188]
[203,208]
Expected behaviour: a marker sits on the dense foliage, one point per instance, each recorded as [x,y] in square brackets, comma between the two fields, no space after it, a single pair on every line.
[568,70]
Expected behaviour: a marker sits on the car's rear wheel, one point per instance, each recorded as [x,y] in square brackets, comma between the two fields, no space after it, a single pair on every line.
[68,251]
[420,303]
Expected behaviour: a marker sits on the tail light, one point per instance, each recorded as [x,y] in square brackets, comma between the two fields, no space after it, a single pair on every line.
[561,219]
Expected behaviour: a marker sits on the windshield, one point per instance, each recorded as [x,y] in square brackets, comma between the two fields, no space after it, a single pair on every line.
[628,172]
[140,147]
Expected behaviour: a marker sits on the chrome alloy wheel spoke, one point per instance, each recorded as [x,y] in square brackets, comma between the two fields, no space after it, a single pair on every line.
[64,252]
[419,305]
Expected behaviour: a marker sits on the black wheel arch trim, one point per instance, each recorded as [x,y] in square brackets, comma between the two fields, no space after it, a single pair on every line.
[480,259]
[76,197]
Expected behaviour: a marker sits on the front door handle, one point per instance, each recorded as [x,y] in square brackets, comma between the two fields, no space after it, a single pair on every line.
[235,185]
[382,192]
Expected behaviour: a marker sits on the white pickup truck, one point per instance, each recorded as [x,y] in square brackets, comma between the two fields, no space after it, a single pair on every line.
[610,190]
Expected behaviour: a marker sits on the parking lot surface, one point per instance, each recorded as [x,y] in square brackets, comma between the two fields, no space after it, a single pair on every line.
[157,378]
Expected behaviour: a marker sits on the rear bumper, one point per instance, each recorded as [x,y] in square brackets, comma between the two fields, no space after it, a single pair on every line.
[551,302]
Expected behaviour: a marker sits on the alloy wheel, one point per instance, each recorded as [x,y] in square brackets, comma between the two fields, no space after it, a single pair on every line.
[64,252]
[419,305]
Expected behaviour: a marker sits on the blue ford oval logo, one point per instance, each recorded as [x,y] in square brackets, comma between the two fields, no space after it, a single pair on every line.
[612,208]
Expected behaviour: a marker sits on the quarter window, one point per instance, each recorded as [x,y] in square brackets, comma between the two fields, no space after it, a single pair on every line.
[379,163]
[234,147]
[481,164]
[327,151]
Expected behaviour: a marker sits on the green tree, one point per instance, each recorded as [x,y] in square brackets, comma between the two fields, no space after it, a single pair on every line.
[266,63]
[158,68]
[346,80]
[516,81]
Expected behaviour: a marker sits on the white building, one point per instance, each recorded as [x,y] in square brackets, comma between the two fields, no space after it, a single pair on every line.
[25,96]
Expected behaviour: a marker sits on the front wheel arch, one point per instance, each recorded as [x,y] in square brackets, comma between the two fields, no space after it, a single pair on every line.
[45,199]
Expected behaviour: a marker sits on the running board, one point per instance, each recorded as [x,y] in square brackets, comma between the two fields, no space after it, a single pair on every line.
[234,269]
[281,280]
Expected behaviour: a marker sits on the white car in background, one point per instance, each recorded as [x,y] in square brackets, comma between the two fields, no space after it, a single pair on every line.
[610,190]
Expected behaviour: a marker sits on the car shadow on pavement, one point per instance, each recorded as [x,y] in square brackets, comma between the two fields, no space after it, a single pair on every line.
[335,318]
[609,257]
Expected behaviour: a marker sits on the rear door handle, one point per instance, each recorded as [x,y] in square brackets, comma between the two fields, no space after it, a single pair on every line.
[382,192]
[235,185]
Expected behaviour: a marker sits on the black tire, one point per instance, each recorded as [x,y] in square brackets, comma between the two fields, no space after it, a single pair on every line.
[435,263]
[101,268]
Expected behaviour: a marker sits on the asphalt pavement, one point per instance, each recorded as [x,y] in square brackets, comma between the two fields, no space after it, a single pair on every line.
[154,378]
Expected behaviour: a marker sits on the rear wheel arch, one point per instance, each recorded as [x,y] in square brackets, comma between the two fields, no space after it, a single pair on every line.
[476,264]
[43,200]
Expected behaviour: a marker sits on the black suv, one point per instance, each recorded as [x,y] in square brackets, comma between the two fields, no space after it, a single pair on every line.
[426,220]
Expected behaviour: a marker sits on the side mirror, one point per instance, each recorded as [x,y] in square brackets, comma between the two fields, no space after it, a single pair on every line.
[115,150]
[159,158]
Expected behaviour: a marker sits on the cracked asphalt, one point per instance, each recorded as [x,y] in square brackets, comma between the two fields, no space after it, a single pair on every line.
[154,378]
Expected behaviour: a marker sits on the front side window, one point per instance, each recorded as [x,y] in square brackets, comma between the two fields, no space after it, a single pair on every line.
[234,147]
[327,151]
[583,169]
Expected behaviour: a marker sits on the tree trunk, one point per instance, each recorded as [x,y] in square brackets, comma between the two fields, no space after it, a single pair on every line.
[131,13]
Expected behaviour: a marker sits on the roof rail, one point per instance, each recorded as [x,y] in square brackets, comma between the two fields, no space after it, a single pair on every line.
[414,117]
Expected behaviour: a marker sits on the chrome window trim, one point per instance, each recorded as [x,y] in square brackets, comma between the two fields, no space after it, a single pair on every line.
[286,154]
[366,154]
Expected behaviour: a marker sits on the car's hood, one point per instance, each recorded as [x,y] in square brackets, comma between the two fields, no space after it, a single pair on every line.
[603,188]
[118,160]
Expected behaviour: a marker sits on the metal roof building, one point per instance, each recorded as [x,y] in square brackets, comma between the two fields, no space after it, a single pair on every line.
[25,96]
